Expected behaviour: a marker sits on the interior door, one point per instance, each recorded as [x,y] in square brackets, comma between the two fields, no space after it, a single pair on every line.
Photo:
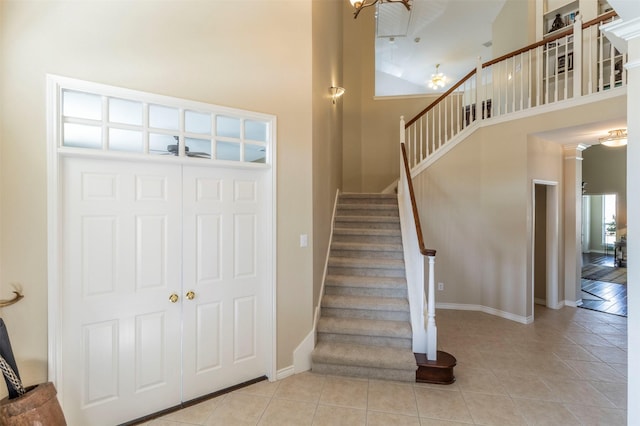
[135,234]
[225,255]
[121,245]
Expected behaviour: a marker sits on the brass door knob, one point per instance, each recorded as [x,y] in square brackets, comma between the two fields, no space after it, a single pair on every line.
[190,295]
[173,298]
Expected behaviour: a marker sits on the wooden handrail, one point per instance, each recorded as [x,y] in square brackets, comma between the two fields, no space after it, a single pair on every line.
[557,36]
[437,101]
[414,206]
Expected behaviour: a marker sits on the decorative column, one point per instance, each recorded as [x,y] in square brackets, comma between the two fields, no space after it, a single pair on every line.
[572,223]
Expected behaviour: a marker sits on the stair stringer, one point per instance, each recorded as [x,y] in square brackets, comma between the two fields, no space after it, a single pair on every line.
[302,353]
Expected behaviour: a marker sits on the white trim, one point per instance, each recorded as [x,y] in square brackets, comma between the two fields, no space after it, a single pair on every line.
[53,231]
[492,311]
[552,239]
[272,327]
[575,304]
[626,30]
[391,189]
[302,353]
[285,372]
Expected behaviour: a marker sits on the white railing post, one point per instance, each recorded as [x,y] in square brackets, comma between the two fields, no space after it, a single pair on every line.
[577,57]
[432,331]
[479,90]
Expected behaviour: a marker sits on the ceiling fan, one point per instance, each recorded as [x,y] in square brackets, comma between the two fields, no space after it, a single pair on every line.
[175,150]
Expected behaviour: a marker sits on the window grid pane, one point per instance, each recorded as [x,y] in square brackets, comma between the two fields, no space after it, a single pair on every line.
[115,123]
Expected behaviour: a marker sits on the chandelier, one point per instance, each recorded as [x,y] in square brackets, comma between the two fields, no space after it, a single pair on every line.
[359,5]
[438,80]
[616,138]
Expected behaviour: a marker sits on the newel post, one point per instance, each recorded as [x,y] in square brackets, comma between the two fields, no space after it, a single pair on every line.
[432,331]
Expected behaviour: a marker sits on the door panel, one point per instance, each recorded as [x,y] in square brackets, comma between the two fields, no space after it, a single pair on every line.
[224,233]
[121,227]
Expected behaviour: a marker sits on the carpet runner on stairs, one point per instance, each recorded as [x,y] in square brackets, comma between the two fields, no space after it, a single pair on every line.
[364,328]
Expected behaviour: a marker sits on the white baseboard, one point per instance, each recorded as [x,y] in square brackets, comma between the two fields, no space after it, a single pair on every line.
[285,372]
[487,310]
[572,304]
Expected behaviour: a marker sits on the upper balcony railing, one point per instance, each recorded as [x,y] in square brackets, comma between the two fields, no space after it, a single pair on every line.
[576,62]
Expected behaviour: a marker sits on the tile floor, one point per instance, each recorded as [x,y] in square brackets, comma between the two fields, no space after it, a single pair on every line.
[569,367]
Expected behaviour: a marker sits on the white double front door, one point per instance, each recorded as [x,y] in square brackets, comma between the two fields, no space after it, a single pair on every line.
[165,283]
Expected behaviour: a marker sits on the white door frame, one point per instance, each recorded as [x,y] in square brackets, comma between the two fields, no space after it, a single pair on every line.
[55,152]
[552,243]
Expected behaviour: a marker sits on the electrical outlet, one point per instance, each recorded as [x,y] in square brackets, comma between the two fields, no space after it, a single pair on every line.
[440,286]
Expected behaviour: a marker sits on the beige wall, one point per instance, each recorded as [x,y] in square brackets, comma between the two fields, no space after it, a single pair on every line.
[327,128]
[544,164]
[513,28]
[476,207]
[371,132]
[253,55]
[605,171]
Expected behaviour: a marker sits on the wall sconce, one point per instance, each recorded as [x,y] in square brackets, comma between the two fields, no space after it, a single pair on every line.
[336,92]
[358,5]
[616,137]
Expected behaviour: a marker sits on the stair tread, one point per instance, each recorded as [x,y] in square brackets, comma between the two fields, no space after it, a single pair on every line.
[372,263]
[356,218]
[365,281]
[367,231]
[365,327]
[367,206]
[374,303]
[341,245]
[363,355]
[367,195]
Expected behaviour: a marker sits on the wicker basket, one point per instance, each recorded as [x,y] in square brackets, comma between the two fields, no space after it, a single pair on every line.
[39,406]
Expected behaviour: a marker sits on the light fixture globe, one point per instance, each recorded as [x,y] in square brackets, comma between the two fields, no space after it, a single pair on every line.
[438,80]
[615,138]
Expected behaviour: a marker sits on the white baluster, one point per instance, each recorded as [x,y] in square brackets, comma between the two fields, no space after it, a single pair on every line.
[577,57]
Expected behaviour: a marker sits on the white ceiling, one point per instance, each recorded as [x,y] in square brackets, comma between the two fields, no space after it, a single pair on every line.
[588,134]
[409,44]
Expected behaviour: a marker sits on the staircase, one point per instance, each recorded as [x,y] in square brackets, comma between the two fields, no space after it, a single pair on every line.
[364,328]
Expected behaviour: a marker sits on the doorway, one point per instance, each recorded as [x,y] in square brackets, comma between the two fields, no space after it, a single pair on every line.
[545,243]
[599,226]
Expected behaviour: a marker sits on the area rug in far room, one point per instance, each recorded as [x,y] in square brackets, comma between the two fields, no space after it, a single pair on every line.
[607,274]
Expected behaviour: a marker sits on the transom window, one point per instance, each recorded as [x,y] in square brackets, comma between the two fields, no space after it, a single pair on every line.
[172,127]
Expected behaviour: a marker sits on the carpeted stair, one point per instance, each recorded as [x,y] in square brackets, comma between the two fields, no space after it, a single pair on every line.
[364,328]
